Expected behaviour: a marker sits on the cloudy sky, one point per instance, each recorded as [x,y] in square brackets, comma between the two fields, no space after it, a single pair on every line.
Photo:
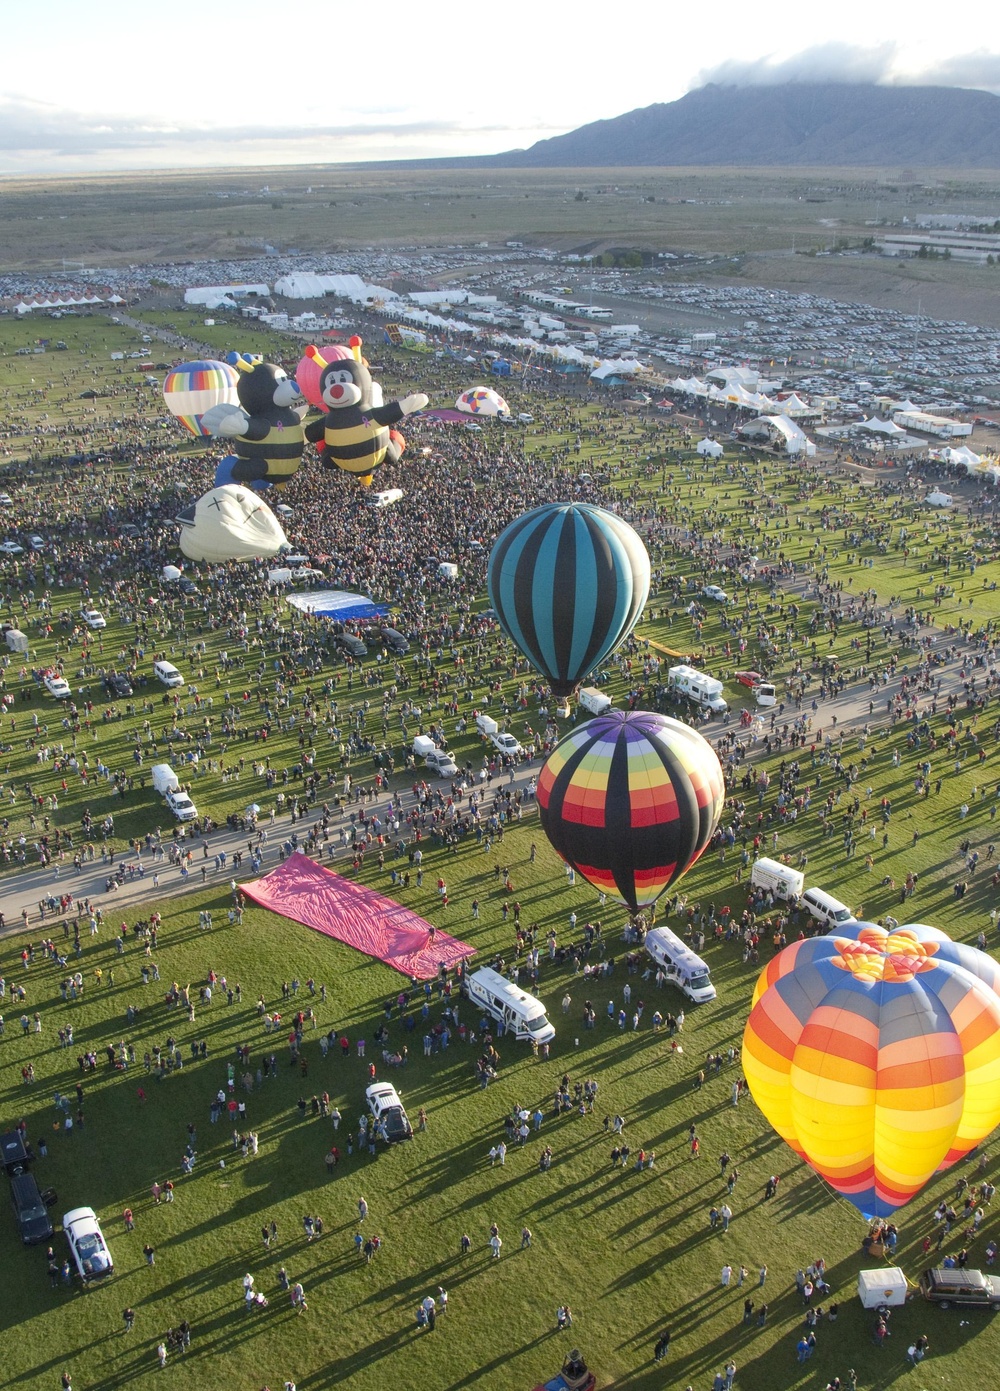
[124,85]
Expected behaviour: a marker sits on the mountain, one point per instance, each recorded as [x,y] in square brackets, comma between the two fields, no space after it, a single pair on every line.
[794,123]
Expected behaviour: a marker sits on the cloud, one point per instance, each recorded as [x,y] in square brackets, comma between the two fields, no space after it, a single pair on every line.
[884,63]
[35,135]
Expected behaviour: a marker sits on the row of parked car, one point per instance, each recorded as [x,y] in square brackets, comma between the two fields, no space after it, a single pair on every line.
[89,1254]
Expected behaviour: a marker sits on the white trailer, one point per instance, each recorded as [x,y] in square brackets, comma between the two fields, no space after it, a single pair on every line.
[699,687]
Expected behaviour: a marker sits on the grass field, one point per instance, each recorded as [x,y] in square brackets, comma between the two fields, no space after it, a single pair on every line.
[630,1253]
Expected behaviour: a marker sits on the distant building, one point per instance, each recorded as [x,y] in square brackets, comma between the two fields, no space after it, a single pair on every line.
[959,246]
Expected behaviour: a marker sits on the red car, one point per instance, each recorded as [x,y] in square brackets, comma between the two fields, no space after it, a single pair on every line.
[749,678]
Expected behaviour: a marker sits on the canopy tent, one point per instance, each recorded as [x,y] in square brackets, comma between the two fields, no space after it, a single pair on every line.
[794,405]
[710,448]
[336,603]
[881,427]
[780,431]
[616,367]
[212,296]
[341,908]
[962,455]
[307,285]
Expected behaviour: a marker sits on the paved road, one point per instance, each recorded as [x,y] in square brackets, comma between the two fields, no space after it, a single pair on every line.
[25,889]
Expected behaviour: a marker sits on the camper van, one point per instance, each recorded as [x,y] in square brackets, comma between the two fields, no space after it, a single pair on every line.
[778,879]
[699,687]
[592,700]
[168,674]
[826,909]
[521,1014]
[684,968]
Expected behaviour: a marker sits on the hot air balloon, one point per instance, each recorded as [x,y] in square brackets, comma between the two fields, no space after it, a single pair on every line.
[631,801]
[568,582]
[875,1054]
[230,523]
[482,400]
[195,387]
[309,368]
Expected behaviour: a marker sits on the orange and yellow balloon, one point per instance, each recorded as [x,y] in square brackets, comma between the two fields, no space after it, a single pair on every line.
[875,1054]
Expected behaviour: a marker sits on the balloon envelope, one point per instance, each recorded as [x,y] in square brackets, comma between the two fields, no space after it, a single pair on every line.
[875,1054]
[631,801]
[194,387]
[230,523]
[308,370]
[482,400]
[568,582]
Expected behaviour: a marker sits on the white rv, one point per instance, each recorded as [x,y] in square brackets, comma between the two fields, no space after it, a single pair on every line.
[699,687]
[684,968]
[522,1014]
[593,700]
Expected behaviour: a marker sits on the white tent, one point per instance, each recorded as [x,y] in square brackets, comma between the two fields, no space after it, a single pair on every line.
[616,367]
[211,296]
[307,285]
[780,430]
[794,405]
[962,455]
[710,448]
[881,427]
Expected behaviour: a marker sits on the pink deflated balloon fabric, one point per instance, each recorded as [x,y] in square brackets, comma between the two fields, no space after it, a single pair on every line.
[307,893]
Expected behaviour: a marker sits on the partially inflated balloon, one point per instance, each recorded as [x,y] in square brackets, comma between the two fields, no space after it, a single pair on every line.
[568,582]
[482,400]
[631,801]
[308,370]
[195,387]
[876,1055]
[230,523]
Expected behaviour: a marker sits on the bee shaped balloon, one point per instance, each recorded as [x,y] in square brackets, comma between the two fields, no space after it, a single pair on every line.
[265,427]
[354,434]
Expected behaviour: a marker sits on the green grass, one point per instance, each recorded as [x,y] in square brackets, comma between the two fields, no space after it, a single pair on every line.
[629,1253]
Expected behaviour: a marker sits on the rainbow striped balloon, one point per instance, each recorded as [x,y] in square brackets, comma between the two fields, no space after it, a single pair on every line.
[195,387]
[631,801]
[875,1054]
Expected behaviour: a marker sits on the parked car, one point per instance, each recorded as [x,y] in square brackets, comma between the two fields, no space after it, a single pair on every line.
[93,618]
[87,1248]
[347,642]
[507,744]
[182,806]
[394,641]
[385,1105]
[36,542]
[712,591]
[749,678]
[117,685]
[30,1211]
[187,586]
[11,548]
[57,685]
[968,1289]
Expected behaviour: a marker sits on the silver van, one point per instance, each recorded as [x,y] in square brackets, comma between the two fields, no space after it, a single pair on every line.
[827,909]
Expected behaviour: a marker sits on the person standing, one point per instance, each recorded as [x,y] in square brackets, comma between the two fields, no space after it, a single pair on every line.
[161,1352]
[362,1210]
[727,1275]
[128,1318]
[661,1346]
[495,1244]
[730,1374]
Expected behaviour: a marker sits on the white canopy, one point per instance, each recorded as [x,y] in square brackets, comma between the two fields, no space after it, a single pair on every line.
[881,427]
[710,448]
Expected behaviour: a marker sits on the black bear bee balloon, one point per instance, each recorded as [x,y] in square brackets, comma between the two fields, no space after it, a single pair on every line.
[354,435]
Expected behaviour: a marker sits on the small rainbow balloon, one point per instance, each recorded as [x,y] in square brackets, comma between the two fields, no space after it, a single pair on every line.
[195,387]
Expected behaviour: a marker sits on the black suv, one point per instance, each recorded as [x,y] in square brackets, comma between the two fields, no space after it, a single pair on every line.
[394,641]
[353,646]
[30,1212]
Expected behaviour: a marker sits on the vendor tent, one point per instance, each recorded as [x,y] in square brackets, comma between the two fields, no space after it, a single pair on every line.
[710,448]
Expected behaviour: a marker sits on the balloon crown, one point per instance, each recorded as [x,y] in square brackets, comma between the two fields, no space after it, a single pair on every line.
[354,343]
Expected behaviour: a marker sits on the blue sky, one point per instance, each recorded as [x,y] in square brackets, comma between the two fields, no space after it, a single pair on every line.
[126,85]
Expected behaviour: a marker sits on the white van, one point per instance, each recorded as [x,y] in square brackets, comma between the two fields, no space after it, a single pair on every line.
[522,1014]
[164,779]
[168,674]
[684,968]
[776,878]
[827,909]
[765,694]
[593,700]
